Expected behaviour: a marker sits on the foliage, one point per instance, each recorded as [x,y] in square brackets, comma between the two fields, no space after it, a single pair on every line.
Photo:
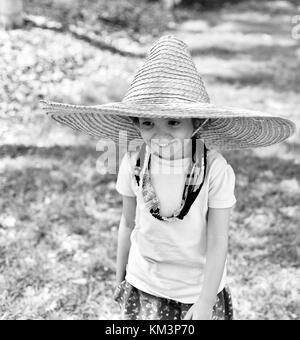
[136,17]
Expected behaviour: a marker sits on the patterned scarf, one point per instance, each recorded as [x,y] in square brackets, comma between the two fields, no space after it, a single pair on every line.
[193,183]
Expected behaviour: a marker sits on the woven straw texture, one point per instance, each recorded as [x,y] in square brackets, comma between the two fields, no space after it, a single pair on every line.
[169,86]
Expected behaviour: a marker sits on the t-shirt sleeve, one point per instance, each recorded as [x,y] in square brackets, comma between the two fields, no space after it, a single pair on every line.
[221,185]
[124,179]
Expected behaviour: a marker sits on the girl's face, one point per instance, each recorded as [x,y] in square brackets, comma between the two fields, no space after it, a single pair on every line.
[168,137]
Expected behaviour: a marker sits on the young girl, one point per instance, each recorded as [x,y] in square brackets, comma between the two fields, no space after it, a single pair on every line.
[177,188]
[166,274]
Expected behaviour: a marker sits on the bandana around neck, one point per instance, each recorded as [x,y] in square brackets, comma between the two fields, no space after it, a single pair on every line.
[193,183]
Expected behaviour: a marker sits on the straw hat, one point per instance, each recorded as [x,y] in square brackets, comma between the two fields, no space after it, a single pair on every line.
[169,86]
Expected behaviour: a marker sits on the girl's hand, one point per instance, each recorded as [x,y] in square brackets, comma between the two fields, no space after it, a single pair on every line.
[199,311]
[118,290]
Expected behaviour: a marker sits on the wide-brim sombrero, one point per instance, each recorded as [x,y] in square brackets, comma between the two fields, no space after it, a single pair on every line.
[169,86]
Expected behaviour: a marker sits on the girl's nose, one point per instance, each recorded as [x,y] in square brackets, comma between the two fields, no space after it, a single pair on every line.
[161,132]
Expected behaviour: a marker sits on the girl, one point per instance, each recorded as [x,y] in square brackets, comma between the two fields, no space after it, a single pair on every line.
[166,263]
[178,190]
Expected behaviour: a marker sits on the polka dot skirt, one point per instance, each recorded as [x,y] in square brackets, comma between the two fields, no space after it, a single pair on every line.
[138,305]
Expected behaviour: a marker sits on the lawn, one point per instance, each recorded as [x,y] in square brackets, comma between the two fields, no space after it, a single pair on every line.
[59,216]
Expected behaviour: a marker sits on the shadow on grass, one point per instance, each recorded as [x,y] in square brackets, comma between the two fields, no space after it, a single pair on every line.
[267,27]
[220,52]
[244,80]
[268,213]
[263,35]
[75,153]
[278,81]
[255,53]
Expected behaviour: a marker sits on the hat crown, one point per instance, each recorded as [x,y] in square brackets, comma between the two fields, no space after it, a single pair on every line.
[168,75]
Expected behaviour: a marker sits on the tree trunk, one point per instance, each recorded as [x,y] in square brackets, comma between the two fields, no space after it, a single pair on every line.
[11,13]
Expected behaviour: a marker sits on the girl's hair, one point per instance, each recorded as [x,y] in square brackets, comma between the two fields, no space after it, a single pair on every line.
[196,121]
[135,120]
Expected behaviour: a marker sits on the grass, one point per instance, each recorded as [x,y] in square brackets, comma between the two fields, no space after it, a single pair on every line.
[59,216]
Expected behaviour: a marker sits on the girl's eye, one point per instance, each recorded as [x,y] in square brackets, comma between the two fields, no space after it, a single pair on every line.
[174,122]
[147,124]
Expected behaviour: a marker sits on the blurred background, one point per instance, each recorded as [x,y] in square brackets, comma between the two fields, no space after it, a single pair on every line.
[59,217]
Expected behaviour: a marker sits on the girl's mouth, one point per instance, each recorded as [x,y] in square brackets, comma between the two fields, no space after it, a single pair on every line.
[165,144]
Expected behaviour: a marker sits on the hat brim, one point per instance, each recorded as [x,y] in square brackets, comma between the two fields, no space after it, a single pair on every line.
[227,128]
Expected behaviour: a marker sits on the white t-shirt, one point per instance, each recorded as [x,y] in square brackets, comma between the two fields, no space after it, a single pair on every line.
[167,259]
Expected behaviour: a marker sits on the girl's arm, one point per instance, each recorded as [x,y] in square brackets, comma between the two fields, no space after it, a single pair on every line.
[217,245]
[125,228]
